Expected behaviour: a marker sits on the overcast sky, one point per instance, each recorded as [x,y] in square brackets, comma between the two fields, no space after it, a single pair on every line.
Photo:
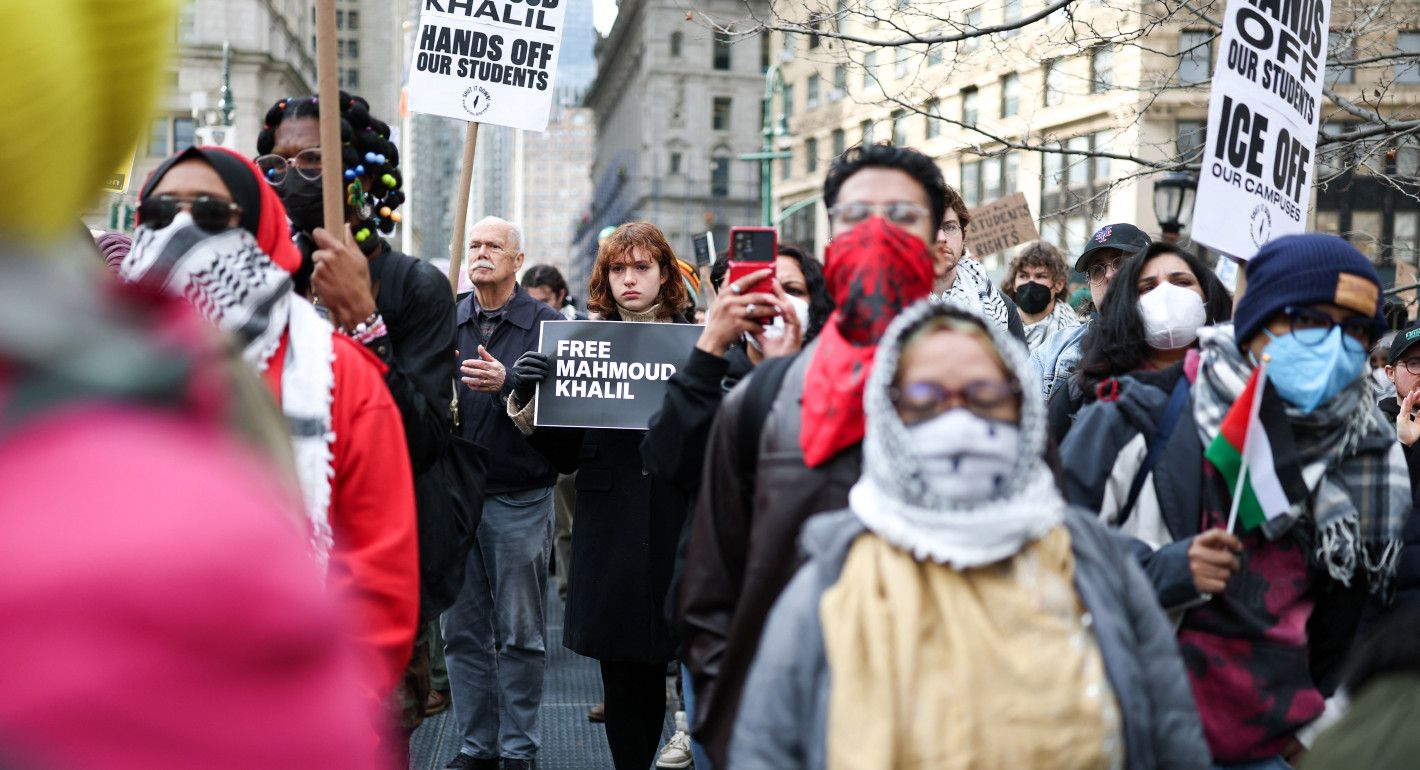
[603,14]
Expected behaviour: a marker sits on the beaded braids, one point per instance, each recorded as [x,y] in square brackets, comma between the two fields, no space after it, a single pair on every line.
[368,159]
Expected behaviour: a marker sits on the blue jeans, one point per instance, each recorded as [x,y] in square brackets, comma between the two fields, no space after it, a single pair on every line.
[687,697]
[494,633]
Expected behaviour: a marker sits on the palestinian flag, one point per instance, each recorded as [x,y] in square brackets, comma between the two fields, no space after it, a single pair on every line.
[1255,442]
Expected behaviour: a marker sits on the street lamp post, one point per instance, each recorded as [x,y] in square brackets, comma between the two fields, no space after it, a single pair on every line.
[773,83]
[1173,203]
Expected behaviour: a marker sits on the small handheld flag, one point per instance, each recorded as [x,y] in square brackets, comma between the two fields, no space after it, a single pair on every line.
[1254,453]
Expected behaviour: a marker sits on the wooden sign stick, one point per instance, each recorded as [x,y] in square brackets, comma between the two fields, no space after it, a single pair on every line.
[456,248]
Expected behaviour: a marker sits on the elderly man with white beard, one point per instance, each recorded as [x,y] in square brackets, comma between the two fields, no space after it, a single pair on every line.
[494,632]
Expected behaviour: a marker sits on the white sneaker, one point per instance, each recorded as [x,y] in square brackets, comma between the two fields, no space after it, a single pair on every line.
[676,753]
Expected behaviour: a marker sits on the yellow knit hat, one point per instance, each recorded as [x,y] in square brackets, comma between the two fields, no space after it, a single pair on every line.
[82,76]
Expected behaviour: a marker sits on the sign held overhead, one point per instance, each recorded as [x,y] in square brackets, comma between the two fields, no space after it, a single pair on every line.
[1259,161]
[489,61]
[1001,224]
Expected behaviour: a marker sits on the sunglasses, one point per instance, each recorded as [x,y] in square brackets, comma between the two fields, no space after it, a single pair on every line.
[208,213]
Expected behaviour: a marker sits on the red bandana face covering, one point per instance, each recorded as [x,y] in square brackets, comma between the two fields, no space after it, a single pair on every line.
[873,271]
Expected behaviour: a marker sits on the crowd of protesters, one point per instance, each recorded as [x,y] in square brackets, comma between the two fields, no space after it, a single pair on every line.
[273,493]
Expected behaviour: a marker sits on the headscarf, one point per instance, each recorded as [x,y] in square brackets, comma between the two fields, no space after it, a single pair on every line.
[872,272]
[262,213]
[893,498]
[1348,456]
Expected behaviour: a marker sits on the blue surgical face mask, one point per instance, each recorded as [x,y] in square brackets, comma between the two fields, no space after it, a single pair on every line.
[1310,366]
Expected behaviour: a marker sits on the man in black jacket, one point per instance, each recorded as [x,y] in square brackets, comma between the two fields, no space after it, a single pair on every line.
[494,632]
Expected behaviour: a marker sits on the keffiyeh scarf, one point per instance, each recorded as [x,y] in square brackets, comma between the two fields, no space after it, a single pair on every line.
[235,285]
[973,290]
[1355,471]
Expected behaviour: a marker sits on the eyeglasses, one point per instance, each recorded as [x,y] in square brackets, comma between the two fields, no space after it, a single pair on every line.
[921,401]
[904,214]
[209,213]
[493,248]
[1316,326]
[306,162]
[1411,365]
[950,228]
[1100,271]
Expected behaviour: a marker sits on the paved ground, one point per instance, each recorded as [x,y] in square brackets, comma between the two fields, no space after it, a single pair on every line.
[569,741]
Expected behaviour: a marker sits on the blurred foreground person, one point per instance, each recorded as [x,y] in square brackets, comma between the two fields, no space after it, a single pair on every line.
[211,231]
[959,614]
[159,560]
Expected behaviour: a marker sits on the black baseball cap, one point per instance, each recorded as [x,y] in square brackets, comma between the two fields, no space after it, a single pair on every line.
[1125,237]
[1405,340]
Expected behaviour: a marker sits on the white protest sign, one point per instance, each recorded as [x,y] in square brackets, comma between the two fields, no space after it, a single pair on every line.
[488,61]
[1256,178]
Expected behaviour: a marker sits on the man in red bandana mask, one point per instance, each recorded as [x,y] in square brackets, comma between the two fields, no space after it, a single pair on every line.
[786,442]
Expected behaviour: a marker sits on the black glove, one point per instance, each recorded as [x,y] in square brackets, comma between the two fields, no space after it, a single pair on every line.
[531,368]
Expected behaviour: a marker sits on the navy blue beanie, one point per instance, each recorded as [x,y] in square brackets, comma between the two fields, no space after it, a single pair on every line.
[1309,269]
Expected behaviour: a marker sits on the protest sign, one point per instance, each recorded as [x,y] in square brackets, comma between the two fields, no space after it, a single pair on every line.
[1257,167]
[608,374]
[489,61]
[1001,224]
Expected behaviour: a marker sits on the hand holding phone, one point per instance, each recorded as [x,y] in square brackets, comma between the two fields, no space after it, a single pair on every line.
[753,249]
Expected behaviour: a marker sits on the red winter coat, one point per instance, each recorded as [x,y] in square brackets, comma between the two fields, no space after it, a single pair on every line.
[374,561]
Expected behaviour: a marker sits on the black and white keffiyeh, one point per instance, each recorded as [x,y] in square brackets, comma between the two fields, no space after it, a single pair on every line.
[1354,469]
[235,285]
[973,290]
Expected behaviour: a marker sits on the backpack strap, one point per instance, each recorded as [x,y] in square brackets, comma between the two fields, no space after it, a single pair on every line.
[760,392]
[1177,400]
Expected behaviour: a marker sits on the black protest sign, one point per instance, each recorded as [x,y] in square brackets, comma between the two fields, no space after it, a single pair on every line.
[1257,167]
[608,374]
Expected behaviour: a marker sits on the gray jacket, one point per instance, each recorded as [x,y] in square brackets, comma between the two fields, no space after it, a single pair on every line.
[783,717]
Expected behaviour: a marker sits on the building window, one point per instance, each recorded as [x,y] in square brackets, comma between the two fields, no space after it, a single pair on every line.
[810,155]
[1101,69]
[184,133]
[349,78]
[1073,192]
[839,142]
[788,103]
[870,69]
[933,108]
[1408,72]
[720,176]
[973,23]
[158,138]
[340,19]
[352,20]
[811,92]
[815,24]
[786,164]
[1188,139]
[934,55]
[1054,82]
[676,160]
[840,83]
[1010,14]
[765,55]
[677,40]
[720,114]
[899,128]
[1195,57]
[1010,95]
[968,106]
[722,53]
[865,132]
[1341,51]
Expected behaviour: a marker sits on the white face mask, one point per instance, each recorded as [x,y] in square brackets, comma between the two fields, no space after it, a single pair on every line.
[965,458]
[1172,316]
[776,328]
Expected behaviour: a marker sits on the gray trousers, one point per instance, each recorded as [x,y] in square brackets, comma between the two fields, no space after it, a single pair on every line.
[494,634]
[566,497]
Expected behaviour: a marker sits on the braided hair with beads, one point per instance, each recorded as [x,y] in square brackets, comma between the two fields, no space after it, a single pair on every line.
[369,160]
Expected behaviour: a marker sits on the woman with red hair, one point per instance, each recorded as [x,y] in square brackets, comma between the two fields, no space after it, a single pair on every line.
[628,522]
[211,231]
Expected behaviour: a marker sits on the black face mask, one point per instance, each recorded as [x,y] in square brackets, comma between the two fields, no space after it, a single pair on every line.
[302,199]
[1032,297]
